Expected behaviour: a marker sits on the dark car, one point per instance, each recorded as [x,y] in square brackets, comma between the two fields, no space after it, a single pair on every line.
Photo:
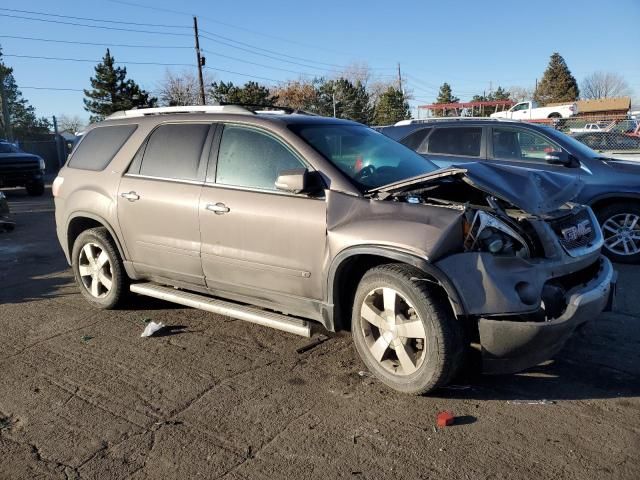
[611,187]
[21,169]
[609,141]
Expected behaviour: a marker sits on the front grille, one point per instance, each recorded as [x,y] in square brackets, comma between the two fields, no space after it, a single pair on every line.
[576,230]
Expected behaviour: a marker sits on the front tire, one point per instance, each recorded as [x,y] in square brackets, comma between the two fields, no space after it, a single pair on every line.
[35,189]
[404,330]
[620,224]
[98,269]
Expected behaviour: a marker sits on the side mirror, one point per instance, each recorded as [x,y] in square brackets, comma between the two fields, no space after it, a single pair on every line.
[560,158]
[297,180]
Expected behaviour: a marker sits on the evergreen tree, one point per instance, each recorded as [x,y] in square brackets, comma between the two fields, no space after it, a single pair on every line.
[445,95]
[252,93]
[18,120]
[112,91]
[351,100]
[557,84]
[391,107]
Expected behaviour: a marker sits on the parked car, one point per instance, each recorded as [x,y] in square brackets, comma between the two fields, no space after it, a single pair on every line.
[609,141]
[21,169]
[283,218]
[6,224]
[589,127]
[611,187]
[531,111]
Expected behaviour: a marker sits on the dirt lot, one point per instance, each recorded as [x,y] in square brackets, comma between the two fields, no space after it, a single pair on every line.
[83,396]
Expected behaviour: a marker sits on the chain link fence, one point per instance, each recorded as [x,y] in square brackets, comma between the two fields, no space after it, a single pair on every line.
[615,135]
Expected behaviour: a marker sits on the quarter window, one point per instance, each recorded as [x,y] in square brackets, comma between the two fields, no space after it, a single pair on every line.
[518,144]
[250,158]
[417,140]
[99,146]
[174,150]
[464,141]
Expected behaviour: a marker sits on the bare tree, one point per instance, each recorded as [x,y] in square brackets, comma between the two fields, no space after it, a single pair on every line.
[356,72]
[181,88]
[70,124]
[604,85]
[520,94]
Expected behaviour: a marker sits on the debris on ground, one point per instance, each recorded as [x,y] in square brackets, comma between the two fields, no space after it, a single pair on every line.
[445,419]
[457,387]
[531,402]
[86,338]
[5,422]
[362,373]
[151,328]
[312,344]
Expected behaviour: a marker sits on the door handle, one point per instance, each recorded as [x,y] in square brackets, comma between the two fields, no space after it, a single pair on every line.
[131,196]
[217,208]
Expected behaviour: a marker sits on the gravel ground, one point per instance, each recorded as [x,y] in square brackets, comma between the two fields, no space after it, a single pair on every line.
[83,396]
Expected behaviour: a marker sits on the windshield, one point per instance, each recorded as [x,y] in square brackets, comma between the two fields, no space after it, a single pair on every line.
[370,159]
[8,148]
[573,144]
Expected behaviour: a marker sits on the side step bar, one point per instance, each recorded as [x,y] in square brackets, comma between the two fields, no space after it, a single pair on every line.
[230,309]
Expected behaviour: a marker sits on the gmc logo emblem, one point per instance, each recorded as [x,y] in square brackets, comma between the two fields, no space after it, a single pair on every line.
[572,234]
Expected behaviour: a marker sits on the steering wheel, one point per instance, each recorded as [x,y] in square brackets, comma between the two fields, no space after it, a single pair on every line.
[365,172]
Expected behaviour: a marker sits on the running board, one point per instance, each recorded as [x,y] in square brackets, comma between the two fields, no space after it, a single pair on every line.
[242,312]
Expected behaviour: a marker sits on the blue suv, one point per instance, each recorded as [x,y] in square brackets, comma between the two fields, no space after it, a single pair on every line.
[611,187]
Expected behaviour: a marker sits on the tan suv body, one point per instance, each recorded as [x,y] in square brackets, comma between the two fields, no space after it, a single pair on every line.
[327,220]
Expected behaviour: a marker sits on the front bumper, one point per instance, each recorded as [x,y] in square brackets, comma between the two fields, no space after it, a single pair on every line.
[510,346]
[20,178]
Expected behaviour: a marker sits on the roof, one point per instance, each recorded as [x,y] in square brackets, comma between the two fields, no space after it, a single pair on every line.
[600,105]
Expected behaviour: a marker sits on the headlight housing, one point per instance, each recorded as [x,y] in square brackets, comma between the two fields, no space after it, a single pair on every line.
[41,164]
[487,233]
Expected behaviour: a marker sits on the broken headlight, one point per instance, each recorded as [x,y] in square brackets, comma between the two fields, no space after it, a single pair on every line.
[486,233]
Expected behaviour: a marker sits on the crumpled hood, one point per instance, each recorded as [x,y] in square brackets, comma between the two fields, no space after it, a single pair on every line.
[535,191]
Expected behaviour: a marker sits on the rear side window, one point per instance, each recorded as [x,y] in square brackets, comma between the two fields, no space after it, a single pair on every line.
[99,147]
[464,141]
[173,151]
[416,141]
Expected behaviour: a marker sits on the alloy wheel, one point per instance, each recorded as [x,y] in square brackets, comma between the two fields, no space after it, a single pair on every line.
[393,332]
[622,234]
[95,272]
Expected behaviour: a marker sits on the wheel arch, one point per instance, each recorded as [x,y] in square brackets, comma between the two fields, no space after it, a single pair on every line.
[605,200]
[348,267]
[79,222]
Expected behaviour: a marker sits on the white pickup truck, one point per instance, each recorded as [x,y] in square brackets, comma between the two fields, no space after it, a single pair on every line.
[531,111]
[589,127]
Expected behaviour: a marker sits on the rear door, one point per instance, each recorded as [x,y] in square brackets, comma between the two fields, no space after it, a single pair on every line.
[158,202]
[258,241]
[454,145]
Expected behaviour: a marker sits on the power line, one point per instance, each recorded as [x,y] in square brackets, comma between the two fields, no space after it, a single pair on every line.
[122,22]
[219,22]
[103,27]
[63,59]
[74,42]
[258,64]
[244,74]
[51,88]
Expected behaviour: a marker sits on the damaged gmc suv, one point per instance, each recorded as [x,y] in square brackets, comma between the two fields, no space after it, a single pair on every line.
[279,218]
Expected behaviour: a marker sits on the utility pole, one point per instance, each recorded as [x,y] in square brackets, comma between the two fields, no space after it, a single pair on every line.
[58,140]
[200,59]
[400,79]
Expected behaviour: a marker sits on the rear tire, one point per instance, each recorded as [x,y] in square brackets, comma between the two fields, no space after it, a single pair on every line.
[620,224]
[98,269]
[417,344]
[35,189]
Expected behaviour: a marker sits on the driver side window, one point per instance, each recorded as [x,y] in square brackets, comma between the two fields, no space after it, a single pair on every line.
[520,144]
[251,158]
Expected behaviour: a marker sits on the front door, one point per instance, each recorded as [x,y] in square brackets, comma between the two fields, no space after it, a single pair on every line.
[258,241]
[158,202]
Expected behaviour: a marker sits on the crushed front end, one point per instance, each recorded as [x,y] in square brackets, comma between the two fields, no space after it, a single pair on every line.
[526,280]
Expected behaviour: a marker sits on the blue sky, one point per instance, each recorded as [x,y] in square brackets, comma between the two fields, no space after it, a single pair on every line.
[470,44]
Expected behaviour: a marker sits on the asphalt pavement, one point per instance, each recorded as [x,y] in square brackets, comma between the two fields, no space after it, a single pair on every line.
[83,396]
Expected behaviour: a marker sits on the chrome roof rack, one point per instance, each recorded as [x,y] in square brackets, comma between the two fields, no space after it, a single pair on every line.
[143,112]
[451,119]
